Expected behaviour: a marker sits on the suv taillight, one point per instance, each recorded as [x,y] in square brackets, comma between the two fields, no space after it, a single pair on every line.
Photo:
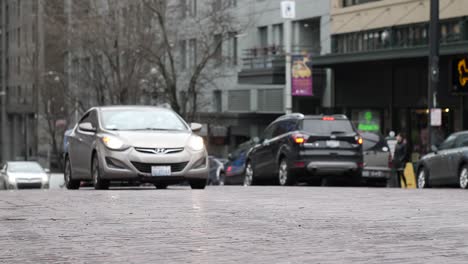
[359,140]
[299,138]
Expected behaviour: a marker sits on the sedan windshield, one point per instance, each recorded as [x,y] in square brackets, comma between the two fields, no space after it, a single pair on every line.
[27,167]
[142,119]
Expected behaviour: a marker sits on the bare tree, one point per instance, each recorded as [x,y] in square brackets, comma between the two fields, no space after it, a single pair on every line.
[204,28]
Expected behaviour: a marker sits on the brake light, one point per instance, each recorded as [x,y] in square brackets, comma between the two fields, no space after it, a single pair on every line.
[299,138]
[299,164]
[229,169]
[328,118]
[360,141]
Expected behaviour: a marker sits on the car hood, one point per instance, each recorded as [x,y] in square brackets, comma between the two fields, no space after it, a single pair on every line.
[155,139]
[26,175]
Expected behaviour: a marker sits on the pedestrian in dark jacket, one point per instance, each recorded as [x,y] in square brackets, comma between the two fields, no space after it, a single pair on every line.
[400,158]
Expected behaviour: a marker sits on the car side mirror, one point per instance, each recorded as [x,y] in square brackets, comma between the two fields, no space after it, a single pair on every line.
[196,127]
[87,127]
[434,149]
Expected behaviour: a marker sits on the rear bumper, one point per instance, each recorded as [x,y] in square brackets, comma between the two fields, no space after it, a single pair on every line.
[334,168]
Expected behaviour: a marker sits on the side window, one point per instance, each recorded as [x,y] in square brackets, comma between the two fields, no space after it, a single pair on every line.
[284,127]
[462,141]
[448,143]
[268,134]
[90,117]
[85,119]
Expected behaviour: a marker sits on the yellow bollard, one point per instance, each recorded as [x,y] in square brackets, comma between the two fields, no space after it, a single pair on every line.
[408,173]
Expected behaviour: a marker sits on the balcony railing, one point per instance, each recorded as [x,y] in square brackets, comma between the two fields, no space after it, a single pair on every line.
[272,57]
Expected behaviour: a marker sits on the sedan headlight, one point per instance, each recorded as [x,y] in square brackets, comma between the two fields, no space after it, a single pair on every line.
[45,178]
[114,143]
[11,179]
[196,143]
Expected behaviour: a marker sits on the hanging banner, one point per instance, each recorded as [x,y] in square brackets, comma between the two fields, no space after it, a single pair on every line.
[301,74]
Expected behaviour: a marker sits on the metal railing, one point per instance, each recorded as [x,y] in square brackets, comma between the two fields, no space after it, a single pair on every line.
[272,56]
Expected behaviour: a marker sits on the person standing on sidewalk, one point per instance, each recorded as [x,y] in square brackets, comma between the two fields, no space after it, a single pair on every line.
[400,158]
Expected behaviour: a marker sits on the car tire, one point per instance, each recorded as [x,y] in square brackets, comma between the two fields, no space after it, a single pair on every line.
[423,178]
[356,180]
[197,184]
[160,186]
[285,177]
[98,182]
[249,175]
[326,182]
[70,184]
[463,177]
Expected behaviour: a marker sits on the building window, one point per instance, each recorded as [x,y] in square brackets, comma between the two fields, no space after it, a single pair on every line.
[217,99]
[231,3]
[347,3]
[218,45]
[192,8]
[232,47]
[193,52]
[183,54]
[19,37]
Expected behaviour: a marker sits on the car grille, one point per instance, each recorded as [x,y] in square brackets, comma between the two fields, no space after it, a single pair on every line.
[160,151]
[34,185]
[146,167]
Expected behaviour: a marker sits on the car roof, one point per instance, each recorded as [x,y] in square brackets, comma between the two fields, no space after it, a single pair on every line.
[299,116]
[130,107]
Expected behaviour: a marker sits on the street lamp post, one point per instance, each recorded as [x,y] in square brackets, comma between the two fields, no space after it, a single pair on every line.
[433,66]
[288,11]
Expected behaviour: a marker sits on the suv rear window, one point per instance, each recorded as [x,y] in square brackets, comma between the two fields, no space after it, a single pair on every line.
[325,127]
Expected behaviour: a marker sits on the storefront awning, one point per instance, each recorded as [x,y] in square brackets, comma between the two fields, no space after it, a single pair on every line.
[327,61]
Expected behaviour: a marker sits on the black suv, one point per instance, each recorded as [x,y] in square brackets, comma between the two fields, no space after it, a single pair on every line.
[310,148]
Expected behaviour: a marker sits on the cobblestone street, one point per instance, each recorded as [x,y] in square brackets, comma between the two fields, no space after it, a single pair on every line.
[234,225]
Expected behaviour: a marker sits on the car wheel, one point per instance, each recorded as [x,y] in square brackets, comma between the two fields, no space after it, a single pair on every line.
[197,184]
[98,182]
[285,177]
[70,184]
[463,178]
[249,175]
[161,186]
[423,178]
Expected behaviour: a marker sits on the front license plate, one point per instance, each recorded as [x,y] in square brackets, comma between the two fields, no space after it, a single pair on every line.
[158,171]
[333,143]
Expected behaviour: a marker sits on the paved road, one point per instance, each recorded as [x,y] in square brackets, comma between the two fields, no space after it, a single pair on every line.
[235,225]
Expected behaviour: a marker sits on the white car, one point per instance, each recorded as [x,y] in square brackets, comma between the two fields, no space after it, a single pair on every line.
[23,175]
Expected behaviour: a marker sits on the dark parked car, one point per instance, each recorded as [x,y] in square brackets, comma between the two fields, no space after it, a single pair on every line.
[235,167]
[446,165]
[377,159]
[311,148]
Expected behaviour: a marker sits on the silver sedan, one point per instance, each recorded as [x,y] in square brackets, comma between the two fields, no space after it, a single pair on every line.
[23,175]
[135,143]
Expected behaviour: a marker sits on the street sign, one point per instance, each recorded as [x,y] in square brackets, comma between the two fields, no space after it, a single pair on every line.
[436,117]
[288,9]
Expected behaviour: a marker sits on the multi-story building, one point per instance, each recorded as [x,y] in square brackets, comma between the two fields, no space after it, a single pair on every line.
[253,94]
[379,60]
[30,52]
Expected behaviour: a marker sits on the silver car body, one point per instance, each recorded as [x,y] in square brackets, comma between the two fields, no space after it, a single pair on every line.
[146,149]
[23,175]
